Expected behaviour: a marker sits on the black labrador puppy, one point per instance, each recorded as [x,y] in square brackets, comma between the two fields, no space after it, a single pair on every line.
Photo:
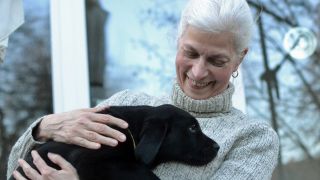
[155,135]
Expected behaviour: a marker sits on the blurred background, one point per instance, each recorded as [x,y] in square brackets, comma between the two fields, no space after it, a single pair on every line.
[131,45]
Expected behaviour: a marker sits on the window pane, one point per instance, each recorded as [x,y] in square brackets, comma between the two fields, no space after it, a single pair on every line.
[130,47]
[282,87]
[25,77]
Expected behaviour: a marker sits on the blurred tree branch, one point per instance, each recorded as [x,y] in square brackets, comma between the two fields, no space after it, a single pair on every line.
[25,91]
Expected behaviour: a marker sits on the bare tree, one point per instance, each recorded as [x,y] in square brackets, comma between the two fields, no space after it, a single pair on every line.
[294,110]
[25,78]
[296,107]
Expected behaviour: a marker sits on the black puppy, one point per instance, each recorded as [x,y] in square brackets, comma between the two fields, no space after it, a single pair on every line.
[155,135]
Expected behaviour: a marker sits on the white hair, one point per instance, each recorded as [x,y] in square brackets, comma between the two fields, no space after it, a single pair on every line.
[217,16]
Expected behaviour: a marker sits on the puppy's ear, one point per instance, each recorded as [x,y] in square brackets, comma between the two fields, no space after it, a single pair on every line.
[152,136]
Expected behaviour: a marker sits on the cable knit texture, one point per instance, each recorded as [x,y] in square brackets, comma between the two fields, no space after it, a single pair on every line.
[248,148]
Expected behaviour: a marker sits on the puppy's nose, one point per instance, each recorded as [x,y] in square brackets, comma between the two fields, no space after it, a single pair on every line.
[216,147]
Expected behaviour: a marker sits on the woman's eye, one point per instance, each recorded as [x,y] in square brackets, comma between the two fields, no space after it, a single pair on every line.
[193,128]
[190,54]
[218,63]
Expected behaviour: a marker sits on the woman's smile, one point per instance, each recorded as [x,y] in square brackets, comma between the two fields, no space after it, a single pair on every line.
[197,84]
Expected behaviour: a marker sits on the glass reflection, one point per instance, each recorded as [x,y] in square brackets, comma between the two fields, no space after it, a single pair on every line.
[96,18]
[25,77]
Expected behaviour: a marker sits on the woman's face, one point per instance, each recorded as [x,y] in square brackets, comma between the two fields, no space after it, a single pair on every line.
[204,62]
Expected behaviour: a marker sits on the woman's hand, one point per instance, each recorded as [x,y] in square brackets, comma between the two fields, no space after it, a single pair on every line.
[46,172]
[84,127]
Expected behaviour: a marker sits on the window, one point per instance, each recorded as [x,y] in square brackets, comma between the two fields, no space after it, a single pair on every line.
[25,77]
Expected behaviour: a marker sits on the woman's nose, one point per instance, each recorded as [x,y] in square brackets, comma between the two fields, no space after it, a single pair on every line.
[199,70]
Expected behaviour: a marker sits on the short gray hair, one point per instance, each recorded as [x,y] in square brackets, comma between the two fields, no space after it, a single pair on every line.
[216,16]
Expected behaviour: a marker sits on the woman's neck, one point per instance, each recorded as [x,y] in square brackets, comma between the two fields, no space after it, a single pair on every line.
[203,108]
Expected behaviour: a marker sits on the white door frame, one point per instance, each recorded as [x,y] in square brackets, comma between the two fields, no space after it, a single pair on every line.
[69,55]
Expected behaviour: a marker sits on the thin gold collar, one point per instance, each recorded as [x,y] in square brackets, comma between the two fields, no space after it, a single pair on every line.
[134,142]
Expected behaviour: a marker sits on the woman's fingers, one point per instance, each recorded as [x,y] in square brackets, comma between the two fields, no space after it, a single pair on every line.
[95,109]
[92,136]
[18,176]
[101,131]
[60,161]
[28,170]
[46,172]
[96,130]
[108,119]
[85,143]
[104,118]
[86,139]
[40,163]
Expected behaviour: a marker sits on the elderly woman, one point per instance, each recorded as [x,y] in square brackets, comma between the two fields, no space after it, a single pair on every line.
[213,40]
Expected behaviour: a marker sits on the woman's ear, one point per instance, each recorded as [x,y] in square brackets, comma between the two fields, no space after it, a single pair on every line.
[242,55]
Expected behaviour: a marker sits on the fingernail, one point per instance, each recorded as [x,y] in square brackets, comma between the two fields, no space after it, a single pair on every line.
[98,109]
[97,145]
[15,173]
[122,138]
[125,125]
[114,142]
[103,107]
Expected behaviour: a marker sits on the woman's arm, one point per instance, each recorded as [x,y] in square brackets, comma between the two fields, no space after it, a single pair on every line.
[21,148]
[84,127]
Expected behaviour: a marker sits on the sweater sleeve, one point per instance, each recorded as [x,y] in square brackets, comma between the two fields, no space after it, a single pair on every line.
[24,144]
[120,98]
[253,156]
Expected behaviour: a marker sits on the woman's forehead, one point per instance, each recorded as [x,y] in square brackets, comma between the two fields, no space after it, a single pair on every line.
[207,42]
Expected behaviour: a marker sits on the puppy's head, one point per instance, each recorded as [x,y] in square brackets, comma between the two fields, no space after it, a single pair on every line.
[171,134]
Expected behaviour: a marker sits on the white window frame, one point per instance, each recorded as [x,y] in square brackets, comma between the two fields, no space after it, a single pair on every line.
[69,55]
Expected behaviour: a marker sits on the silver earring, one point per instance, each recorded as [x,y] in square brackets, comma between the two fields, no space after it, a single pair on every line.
[235,74]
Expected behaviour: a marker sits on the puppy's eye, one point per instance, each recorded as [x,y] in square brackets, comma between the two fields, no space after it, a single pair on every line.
[193,128]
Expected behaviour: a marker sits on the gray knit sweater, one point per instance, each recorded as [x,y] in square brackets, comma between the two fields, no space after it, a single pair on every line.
[248,148]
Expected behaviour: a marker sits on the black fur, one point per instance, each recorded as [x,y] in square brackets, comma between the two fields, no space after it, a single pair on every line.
[163,133]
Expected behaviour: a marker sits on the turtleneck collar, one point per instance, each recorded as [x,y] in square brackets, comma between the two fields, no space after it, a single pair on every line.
[203,108]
